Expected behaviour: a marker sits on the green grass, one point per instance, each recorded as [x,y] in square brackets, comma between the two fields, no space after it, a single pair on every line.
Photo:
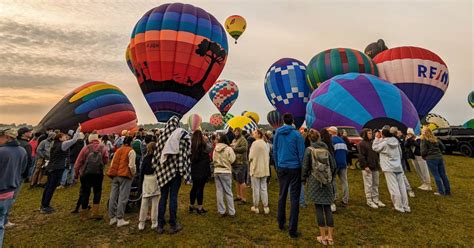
[434,221]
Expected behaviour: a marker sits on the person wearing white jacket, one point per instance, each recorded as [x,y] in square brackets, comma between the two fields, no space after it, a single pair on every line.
[390,161]
[223,157]
[259,171]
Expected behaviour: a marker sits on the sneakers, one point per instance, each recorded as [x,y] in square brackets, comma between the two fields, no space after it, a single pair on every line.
[154,225]
[141,225]
[175,229]
[254,209]
[372,204]
[191,209]
[9,224]
[425,187]
[113,221]
[160,230]
[122,222]
[437,193]
[201,211]
[47,210]
[333,207]
[266,210]
[411,193]
[379,203]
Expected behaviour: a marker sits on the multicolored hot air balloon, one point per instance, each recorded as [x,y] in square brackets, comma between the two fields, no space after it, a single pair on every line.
[96,106]
[253,116]
[470,99]
[274,119]
[419,73]
[360,100]
[227,117]
[337,61]
[194,122]
[243,123]
[243,112]
[178,51]
[286,88]
[216,120]
[128,58]
[435,121]
[224,94]
[235,26]
[375,48]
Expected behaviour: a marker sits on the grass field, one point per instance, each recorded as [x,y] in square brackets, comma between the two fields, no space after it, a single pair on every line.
[435,221]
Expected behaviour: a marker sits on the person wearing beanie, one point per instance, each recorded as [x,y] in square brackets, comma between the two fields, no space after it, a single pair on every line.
[412,145]
[89,168]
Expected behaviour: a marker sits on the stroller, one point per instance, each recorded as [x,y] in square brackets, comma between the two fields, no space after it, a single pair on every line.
[135,197]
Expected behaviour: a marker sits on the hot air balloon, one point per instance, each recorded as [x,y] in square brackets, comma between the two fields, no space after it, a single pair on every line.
[194,122]
[253,116]
[286,88]
[235,26]
[469,124]
[227,117]
[178,51]
[419,73]
[96,106]
[470,99]
[243,112]
[375,48]
[274,119]
[224,94]
[216,120]
[362,101]
[337,61]
[435,121]
[243,123]
[128,58]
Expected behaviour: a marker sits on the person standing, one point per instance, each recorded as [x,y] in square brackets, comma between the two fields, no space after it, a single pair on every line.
[259,171]
[34,145]
[151,190]
[69,177]
[172,161]
[340,155]
[388,148]
[223,157]
[89,167]
[369,162]
[412,144]
[288,151]
[240,166]
[122,170]
[59,155]
[317,174]
[200,170]
[432,151]
[399,136]
[13,161]
[42,154]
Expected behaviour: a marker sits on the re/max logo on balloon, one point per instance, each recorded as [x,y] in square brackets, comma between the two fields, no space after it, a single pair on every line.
[433,72]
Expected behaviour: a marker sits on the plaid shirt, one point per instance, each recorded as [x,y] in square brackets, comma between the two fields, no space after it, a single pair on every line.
[175,164]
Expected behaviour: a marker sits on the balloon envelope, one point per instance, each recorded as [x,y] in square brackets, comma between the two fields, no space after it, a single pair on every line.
[128,58]
[360,100]
[469,124]
[470,99]
[435,121]
[375,48]
[227,117]
[337,61]
[216,120]
[178,51]
[223,95]
[235,25]
[419,73]
[243,123]
[253,116]
[274,119]
[96,106]
[286,88]
[194,122]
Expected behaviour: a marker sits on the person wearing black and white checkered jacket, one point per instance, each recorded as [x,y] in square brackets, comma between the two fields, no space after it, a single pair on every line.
[172,161]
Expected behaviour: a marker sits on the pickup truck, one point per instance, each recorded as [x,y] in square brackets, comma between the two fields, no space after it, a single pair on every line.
[457,139]
[353,137]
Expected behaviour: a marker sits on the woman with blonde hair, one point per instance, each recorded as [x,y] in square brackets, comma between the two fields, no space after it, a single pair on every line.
[151,191]
[259,158]
[432,151]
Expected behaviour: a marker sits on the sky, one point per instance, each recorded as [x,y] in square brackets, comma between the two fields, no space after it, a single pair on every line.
[48,48]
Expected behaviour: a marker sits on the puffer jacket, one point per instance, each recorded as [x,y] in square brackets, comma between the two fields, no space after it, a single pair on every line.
[390,154]
[223,158]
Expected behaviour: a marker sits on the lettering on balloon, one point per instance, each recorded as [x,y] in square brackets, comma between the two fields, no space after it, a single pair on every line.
[433,72]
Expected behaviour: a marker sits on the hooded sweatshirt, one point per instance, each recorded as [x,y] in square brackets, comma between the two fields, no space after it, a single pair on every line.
[288,148]
[223,158]
[13,160]
[390,154]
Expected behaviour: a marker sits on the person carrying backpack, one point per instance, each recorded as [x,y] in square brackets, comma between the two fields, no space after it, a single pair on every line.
[89,167]
[318,175]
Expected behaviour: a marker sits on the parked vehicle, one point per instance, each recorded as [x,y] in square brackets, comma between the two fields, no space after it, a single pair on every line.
[353,137]
[457,139]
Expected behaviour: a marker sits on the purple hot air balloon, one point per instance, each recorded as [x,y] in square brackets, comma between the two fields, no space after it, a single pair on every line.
[362,101]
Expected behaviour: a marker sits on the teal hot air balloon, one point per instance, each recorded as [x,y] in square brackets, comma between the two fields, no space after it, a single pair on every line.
[275,119]
[470,99]
[337,61]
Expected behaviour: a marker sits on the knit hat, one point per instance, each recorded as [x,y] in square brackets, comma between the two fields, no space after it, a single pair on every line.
[70,132]
[92,137]
[9,132]
[410,131]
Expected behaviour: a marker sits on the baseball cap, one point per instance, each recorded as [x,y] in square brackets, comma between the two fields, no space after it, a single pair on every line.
[23,130]
[9,132]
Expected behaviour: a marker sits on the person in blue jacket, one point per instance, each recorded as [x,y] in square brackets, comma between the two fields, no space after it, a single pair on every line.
[288,152]
[340,154]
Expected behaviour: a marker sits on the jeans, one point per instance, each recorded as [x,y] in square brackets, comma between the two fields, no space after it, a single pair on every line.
[54,177]
[119,195]
[88,182]
[5,206]
[170,190]
[197,192]
[224,190]
[286,178]
[15,196]
[342,174]
[259,190]
[32,168]
[68,176]
[438,171]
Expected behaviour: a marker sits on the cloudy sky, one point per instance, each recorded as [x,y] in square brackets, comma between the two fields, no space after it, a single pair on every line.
[48,48]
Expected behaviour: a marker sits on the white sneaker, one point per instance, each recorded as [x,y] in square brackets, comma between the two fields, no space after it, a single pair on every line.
[407,210]
[372,204]
[425,187]
[333,207]
[266,210]
[113,221]
[122,222]
[9,225]
[141,225]
[411,194]
[154,226]
[436,193]
[380,204]
[254,209]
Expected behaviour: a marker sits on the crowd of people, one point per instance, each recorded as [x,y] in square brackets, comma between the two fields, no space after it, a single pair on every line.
[158,161]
